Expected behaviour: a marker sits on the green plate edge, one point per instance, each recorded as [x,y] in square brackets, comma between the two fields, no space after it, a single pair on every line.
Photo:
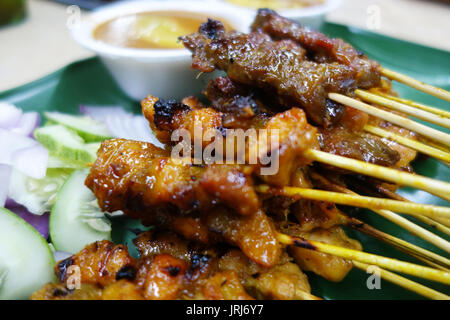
[88,82]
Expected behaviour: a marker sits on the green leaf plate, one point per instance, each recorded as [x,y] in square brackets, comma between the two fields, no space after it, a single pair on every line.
[88,82]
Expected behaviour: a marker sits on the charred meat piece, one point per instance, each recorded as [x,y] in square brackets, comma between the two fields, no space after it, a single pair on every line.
[279,282]
[320,48]
[356,145]
[291,133]
[255,234]
[99,263]
[165,117]
[242,106]
[279,66]
[330,267]
[295,136]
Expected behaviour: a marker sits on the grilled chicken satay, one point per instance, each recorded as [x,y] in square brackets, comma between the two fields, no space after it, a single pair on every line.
[328,266]
[172,268]
[320,48]
[278,66]
[293,133]
[139,177]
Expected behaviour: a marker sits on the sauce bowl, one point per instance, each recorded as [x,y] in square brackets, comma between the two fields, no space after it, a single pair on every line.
[164,73]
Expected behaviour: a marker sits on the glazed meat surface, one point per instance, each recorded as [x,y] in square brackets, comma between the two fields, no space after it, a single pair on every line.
[358,145]
[172,268]
[320,48]
[139,177]
[328,266]
[278,66]
[290,128]
[242,106]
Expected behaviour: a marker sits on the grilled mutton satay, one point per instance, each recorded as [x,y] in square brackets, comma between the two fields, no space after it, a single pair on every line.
[358,145]
[278,66]
[320,48]
[242,106]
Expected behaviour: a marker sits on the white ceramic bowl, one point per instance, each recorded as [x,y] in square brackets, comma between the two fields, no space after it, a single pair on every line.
[162,73]
[313,16]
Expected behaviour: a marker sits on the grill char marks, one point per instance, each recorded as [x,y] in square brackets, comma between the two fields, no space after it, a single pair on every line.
[165,111]
[242,106]
[278,66]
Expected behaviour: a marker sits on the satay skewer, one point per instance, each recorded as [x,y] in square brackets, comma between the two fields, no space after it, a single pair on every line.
[414,104]
[416,113]
[436,187]
[358,201]
[440,224]
[372,259]
[303,295]
[419,128]
[413,83]
[415,145]
[404,282]
[417,252]
[393,217]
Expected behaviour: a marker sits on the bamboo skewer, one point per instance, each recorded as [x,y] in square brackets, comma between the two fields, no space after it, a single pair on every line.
[414,104]
[436,223]
[428,132]
[416,113]
[395,218]
[440,224]
[434,144]
[418,146]
[417,252]
[405,283]
[359,201]
[303,295]
[373,259]
[436,187]
[437,92]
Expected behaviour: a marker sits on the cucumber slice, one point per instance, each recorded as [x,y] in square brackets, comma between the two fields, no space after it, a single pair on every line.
[87,128]
[26,260]
[64,143]
[93,148]
[37,195]
[76,219]
[55,162]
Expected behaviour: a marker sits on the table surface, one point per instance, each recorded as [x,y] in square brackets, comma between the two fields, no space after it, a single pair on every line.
[42,44]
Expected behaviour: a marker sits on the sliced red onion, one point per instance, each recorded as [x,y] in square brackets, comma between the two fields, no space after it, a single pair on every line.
[100,113]
[10,115]
[23,153]
[40,223]
[5,174]
[27,123]
[122,124]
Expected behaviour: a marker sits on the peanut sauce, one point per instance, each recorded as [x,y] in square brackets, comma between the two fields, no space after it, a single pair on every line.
[150,30]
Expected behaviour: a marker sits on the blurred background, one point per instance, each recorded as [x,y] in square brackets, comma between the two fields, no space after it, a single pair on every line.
[35,41]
